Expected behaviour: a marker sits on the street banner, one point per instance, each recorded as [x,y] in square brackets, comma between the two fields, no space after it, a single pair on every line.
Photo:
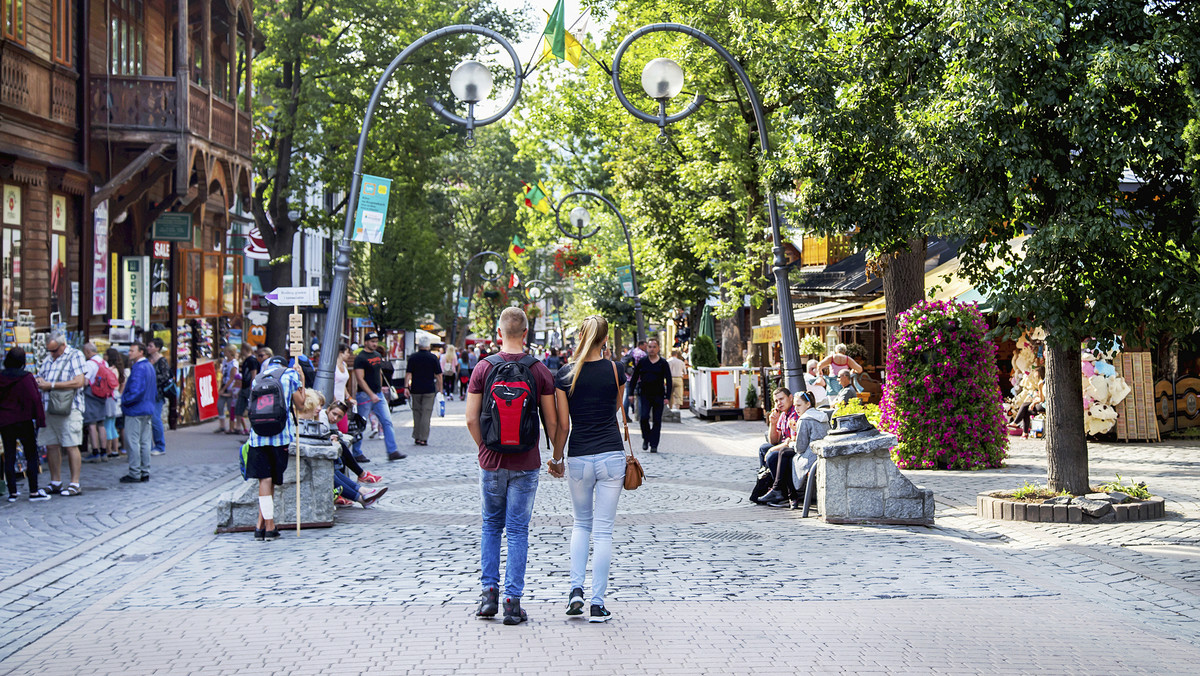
[206,390]
[100,260]
[463,306]
[135,290]
[625,276]
[372,209]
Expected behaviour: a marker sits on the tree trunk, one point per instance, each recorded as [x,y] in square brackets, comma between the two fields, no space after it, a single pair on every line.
[903,282]
[731,340]
[1066,445]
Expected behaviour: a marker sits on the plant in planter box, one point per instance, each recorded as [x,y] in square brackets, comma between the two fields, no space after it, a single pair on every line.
[751,411]
[704,353]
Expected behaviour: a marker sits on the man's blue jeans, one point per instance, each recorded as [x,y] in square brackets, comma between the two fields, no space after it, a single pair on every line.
[383,414]
[160,442]
[507,497]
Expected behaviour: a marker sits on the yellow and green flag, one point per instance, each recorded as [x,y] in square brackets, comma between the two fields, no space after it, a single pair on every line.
[515,250]
[557,41]
[537,197]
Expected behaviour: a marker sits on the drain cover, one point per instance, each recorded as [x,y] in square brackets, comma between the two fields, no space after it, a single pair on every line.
[731,536]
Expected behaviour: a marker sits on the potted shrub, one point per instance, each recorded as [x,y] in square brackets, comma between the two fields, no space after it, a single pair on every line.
[751,411]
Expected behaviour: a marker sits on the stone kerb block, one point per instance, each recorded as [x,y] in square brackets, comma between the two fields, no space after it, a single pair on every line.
[237,510]
[857,482]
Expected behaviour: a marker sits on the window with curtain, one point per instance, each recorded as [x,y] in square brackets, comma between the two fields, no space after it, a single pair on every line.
[14,20]
[60,31]
[126,37]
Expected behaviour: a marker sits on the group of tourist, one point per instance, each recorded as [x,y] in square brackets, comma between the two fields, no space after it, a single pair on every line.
[118,399]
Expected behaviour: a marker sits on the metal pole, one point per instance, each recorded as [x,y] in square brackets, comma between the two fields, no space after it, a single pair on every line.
[637,297]
[462,276]
[791,346]
[341,265]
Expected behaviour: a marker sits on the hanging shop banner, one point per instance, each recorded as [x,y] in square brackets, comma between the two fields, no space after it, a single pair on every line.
[372,209]
[173,226]
[135,290]
[100,259]
[206,390]
[58,213]
[160,281]
[625,276]
[463,306]
[12,205]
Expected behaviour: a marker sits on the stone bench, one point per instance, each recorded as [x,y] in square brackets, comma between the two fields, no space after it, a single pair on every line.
[237,510]
[857,482]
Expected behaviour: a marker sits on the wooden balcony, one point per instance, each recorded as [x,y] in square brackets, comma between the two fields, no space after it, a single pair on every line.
[141,104]
[822,251]
[32,87]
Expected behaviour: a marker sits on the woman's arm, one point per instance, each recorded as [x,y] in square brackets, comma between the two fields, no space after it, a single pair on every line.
[854,365]
[563,410]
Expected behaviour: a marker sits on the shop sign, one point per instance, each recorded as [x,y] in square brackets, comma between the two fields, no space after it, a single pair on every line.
[12,205]
[206,390]
[162,250]
[174,227]
[135,290]
[160,285]
[100,259]
[58,213]
[192,305]
[372,209]
[766,334]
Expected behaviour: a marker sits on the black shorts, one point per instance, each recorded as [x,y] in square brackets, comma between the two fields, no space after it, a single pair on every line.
[267,462]
[242,403]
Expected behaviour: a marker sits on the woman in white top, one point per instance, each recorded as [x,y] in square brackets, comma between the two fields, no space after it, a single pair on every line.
[449,370]
[341,376]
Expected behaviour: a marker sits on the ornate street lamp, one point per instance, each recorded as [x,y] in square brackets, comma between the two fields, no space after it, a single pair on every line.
[662,79]
[489,273]
[471,82]
[581,218]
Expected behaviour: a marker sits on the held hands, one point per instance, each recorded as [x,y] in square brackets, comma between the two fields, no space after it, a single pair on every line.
[556,469]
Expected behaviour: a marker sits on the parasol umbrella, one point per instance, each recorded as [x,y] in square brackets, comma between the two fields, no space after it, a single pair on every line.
[707,327]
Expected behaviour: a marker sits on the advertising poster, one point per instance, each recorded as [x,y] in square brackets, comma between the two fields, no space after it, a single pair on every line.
[12,205]
[625,276]
[100,260]
[372,209]
[135,290]
[206,390]
[58,213]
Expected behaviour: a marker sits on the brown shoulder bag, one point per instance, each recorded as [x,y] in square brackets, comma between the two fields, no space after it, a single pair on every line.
[634,475]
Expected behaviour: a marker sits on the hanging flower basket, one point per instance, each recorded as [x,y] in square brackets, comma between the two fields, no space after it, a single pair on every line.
[568,262]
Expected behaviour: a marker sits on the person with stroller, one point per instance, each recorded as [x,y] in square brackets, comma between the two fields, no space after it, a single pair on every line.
[810,424]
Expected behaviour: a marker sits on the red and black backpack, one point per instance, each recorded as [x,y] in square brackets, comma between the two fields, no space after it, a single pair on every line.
[510,416]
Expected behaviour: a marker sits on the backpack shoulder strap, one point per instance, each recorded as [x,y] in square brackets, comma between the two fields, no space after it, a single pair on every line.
[528,361]
[495,360]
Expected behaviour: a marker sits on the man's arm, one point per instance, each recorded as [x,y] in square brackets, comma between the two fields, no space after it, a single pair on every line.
[360,377]
[474,406]
[298,395]
[670,381]
[549,414]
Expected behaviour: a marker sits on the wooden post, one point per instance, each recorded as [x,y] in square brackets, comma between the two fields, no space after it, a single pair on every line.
[296,312]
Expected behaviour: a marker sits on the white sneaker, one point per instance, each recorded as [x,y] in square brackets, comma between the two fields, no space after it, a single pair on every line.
[40,496]
[158,452]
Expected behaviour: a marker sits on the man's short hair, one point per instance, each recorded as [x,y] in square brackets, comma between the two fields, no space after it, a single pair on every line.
[139,345]
[90,347]
[158,342]
[845,372]
[423,341]
[781,389]
[513,322]
[57,337]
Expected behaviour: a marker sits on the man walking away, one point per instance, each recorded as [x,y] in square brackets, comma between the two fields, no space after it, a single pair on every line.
[652,378]
[508,480]
[368,369]
[678,368]
[62,372]
[422,380]
[165,382]
[272,429]
[94,406]
[138,402]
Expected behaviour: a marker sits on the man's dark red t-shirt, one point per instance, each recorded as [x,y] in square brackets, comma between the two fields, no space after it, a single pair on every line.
[531,459]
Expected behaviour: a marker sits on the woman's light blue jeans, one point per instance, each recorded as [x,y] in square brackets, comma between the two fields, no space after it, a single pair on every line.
[596,482]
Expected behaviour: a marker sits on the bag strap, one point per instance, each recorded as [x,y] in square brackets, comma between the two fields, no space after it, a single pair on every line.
[620,405]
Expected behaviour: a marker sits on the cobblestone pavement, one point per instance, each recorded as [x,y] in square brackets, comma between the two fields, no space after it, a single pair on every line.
[131,579]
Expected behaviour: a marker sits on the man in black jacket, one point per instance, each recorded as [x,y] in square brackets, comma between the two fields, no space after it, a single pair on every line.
[652,378]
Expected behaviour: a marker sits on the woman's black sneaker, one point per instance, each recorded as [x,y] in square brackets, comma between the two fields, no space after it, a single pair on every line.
[512,611]
[599,614]
[575,604]
[489,603]
[272,534]
[259,534]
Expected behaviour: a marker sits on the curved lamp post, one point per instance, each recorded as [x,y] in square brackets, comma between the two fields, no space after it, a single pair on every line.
[581,219]
[662,79]
[471,83]
[485,275]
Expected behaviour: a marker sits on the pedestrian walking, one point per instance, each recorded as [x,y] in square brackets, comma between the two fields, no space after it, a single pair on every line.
[449,370]
[139,402]
[423,381]
[163,393]
[464,373]
[343,384]
[251,363]
[231,384]
[21,415]
[589,390]
[508,472]
[652,380]
[114,419]
[95,394]
[678,368]
[368,376]
[272,430]
[61,379]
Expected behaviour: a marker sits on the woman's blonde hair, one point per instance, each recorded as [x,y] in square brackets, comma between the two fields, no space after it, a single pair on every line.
[313,401]
[592,334]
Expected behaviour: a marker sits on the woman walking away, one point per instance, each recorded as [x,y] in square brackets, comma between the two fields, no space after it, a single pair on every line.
[589,390]
[810,426]
[20,410]
[112,407]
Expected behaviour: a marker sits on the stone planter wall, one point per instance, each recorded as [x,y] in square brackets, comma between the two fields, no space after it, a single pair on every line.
[1008,510]
[857,482]
[237,510]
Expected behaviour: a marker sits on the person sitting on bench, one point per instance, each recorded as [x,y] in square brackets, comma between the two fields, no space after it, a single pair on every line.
[809,426]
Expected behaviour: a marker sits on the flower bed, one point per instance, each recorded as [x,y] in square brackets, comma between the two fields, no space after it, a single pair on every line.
[942,395]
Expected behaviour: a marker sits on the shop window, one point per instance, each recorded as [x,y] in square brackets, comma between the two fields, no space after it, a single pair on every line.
[229,286]
[14,20]
[10,241]
[126,37]
[60,31]
[212,285]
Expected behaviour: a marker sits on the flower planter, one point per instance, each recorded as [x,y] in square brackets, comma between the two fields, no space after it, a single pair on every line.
[989,506]
[752,414]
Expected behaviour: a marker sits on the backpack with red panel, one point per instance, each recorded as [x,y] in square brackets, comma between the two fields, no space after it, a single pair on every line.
[510,417]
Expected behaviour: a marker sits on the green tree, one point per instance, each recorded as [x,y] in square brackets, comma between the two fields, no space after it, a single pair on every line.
[1067,120]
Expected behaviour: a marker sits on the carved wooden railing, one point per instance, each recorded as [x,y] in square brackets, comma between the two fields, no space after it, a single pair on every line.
[140,102]
[223,123]
[244,144]
[62,97]
[198,111]
[15,74]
